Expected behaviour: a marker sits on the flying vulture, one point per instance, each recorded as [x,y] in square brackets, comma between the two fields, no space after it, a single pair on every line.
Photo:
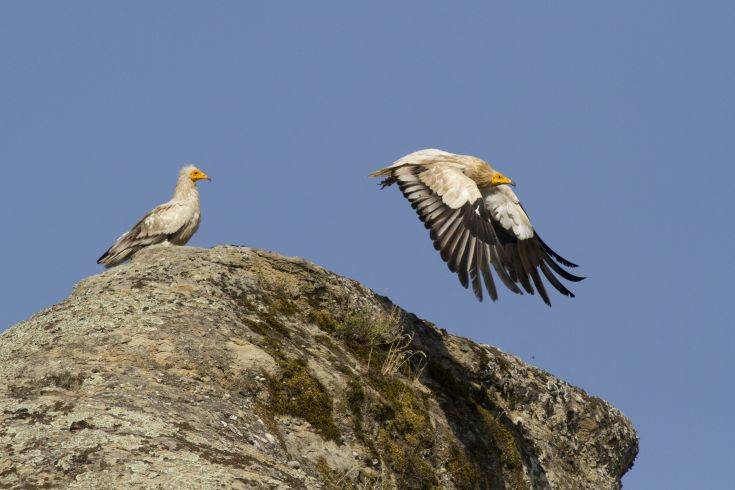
[171,223]
[477,223]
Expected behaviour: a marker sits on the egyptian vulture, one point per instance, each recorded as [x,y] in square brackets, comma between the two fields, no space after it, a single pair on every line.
[171,223]
[477,223]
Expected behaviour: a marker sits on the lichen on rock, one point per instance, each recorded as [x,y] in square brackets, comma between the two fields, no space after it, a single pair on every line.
[235,367]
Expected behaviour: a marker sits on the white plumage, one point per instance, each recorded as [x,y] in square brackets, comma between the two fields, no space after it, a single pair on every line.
[171,223]
[504,206]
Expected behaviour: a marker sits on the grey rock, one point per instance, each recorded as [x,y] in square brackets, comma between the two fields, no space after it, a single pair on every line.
[183,369]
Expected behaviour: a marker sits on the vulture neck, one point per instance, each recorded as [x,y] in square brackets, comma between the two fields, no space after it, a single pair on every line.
[185,190]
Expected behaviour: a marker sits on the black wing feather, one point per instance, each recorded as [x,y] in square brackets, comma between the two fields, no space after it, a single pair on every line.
[470,240]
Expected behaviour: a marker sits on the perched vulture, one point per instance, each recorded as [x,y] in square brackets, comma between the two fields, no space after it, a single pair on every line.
[477,223]
[172,223]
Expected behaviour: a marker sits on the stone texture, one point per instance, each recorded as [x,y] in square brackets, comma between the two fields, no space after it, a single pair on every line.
[238,368]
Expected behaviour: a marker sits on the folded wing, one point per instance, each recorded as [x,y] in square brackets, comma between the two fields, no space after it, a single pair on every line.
[160,225]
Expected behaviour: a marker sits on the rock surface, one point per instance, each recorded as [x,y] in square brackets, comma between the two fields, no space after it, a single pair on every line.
[238,368]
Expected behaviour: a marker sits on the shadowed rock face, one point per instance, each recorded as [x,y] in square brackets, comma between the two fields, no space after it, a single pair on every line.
[234,367]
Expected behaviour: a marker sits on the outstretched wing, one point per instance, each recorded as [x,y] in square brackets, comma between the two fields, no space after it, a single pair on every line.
[476,233]
[451,206]
[524,253]
[155,227]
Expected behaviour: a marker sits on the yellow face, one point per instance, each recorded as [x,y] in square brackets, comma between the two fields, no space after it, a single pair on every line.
[197,174]
[500,179]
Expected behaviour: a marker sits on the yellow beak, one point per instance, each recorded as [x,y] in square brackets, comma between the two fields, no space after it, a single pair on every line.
[500,179]
[200,176]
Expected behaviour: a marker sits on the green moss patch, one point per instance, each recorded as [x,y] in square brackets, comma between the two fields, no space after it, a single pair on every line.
[284,306]
[405,413]
[406,439]
[275,324]
[366,334]
[510,456]
[296,392]
[355,400]
[327,342]
[412,470]
[324,320]
[464,472]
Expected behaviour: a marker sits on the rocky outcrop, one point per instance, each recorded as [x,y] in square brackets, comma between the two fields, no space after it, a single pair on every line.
[239,368]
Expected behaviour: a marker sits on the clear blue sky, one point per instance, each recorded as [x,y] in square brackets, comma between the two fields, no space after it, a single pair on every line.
[617,120]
